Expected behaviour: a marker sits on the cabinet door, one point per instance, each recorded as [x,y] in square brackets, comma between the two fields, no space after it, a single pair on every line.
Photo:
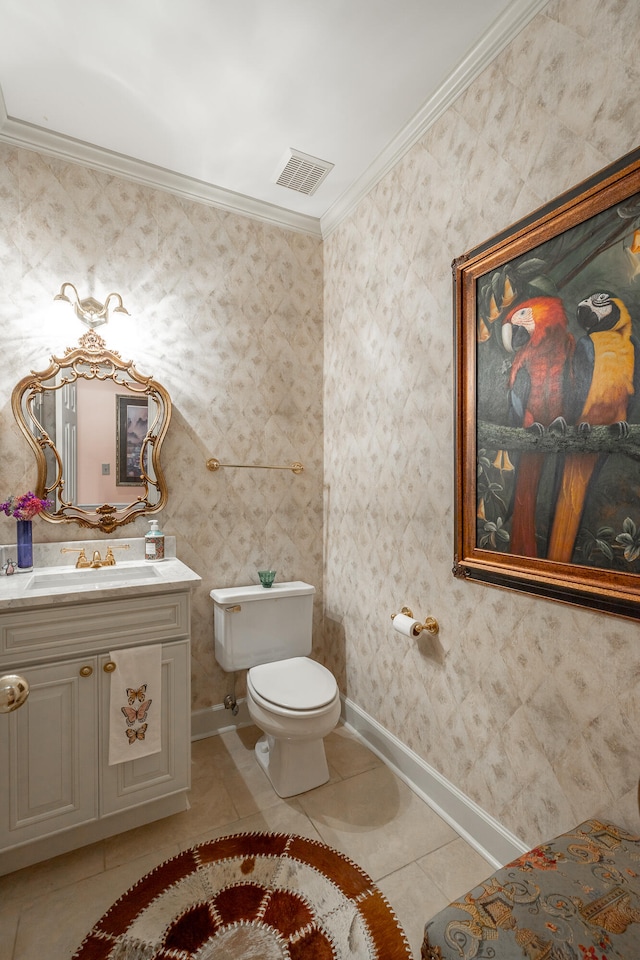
[160,774]
[48,754]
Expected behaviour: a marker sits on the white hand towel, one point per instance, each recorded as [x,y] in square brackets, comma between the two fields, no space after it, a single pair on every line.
[135,710]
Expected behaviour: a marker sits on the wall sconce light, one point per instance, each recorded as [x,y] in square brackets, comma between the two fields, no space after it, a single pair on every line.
[90,310]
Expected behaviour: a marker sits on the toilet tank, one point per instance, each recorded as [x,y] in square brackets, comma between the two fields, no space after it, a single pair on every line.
[258,625]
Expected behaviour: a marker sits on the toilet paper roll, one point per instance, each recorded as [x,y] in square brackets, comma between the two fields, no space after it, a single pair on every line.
[406,626]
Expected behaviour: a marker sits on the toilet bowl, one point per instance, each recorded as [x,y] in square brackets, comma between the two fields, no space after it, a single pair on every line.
[294,700]
[296,703]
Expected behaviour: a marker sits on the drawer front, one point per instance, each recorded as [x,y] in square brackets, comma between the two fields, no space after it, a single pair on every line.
[52,632]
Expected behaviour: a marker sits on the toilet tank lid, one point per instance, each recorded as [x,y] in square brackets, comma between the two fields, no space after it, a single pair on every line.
[226,595]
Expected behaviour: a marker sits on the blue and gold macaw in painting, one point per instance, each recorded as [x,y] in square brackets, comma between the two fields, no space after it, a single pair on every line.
[606,378]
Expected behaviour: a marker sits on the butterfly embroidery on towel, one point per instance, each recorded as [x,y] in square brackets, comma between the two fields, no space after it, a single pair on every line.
[133,695]
[132,715]
[138,734]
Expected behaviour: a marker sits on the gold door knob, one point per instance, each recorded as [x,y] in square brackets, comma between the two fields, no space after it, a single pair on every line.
[109,666]
[14,690]
[86,671]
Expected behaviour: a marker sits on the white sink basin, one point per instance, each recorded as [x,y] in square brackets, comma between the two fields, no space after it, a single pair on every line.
[101,577]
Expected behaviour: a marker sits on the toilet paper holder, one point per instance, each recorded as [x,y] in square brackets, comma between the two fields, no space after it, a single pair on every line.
[430,624]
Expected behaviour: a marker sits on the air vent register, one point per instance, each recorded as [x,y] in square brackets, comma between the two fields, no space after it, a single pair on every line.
[302,173]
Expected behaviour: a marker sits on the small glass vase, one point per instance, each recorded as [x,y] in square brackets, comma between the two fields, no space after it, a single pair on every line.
[267,577]
[25,544]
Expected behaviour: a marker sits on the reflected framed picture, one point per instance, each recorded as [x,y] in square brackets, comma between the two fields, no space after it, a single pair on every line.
[547,339]
[132,425]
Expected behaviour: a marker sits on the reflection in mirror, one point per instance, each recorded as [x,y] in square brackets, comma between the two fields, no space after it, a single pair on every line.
[96,426]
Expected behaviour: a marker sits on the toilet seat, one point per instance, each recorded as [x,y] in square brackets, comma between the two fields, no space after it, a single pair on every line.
[297,684]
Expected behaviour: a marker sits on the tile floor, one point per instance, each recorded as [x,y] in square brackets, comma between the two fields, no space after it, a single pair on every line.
[365,811]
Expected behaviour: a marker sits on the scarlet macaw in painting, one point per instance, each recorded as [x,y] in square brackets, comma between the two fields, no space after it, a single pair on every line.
[537,331]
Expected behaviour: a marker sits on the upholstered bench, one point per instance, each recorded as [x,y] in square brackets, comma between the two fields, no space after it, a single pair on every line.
[575,898]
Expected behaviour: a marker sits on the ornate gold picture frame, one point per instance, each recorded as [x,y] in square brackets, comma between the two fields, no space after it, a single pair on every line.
[547,338]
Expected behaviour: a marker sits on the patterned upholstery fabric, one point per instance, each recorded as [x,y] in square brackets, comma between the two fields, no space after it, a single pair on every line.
[575,898]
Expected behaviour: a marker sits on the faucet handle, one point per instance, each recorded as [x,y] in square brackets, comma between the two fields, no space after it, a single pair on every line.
[82,557]
[110,560]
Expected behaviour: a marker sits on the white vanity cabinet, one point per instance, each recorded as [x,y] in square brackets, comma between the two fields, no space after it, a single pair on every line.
[57,790]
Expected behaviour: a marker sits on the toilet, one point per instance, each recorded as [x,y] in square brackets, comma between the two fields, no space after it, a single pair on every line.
[294,700]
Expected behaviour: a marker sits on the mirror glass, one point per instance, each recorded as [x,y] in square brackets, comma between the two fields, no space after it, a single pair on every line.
[96,426]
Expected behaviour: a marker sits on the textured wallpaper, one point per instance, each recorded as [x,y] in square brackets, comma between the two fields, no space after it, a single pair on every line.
[530,707]
[227,315]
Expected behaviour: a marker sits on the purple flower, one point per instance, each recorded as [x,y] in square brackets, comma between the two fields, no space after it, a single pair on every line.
[25,507]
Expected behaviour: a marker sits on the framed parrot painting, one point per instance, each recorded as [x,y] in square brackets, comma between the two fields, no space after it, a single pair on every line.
[547,335]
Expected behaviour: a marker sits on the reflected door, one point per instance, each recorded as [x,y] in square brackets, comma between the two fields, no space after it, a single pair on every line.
[67,437]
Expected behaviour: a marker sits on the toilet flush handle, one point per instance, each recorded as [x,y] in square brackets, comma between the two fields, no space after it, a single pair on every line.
[236,608]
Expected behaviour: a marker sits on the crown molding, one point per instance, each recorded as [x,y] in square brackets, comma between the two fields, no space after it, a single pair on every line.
[31,137]
[493,41]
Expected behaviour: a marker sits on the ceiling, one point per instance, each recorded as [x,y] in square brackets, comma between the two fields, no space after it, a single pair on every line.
[206,97]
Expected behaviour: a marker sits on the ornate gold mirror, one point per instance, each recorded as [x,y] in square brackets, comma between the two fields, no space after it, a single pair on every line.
[96,425]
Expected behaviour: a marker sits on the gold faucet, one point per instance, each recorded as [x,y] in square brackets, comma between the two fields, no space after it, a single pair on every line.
[83,562]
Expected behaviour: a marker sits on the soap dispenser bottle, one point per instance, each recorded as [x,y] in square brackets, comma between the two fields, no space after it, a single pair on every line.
[153,542]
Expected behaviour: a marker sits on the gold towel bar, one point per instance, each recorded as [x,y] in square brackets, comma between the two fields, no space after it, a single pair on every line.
[214,465]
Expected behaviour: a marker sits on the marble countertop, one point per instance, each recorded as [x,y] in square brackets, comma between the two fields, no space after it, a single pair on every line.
[51,582]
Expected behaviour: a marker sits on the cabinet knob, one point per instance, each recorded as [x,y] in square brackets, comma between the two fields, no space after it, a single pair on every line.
[14,690]
[109,666]
[86,671]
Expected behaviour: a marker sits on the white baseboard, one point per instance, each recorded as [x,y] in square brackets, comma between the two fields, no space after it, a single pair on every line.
[481,831]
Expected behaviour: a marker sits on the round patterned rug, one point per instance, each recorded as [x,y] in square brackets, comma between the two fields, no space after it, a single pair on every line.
[251,896]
